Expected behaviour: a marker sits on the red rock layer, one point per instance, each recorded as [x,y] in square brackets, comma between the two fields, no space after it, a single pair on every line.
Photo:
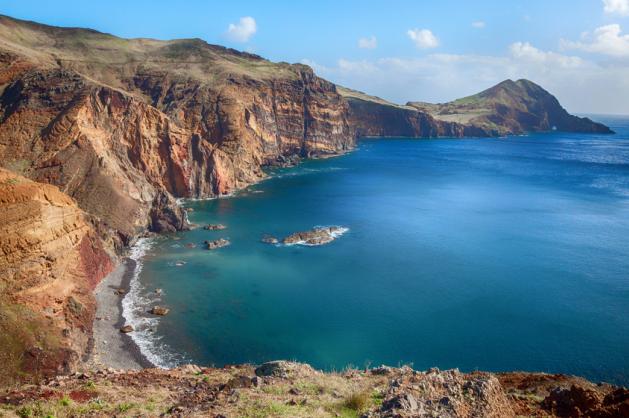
[50,260]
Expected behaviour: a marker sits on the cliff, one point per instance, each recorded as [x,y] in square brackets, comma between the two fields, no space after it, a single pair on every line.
[50,261]
[284,389]
[373,116]
[511,107]
[125,125]
[506,109]
[111,131]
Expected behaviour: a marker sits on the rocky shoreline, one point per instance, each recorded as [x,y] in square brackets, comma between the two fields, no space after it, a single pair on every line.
[112,348]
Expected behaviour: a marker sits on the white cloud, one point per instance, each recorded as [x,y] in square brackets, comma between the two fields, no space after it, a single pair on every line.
[526,52]
[368,43]
[605,40]
[423,38]
[243,30]
[620,7]
[479,24]
[579,84]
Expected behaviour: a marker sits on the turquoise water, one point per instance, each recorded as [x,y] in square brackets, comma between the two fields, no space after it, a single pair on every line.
[492,254]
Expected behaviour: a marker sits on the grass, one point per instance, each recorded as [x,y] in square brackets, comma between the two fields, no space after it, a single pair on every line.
[125,406]
[358,401]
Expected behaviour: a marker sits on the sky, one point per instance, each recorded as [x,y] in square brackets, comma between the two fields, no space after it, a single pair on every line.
[401,50]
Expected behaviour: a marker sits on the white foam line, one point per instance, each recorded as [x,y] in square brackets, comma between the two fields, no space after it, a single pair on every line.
[134,306]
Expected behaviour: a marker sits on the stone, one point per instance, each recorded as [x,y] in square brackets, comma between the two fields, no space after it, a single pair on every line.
[284,369]
[269,239]
[159,311]
[214,227]
[219,243]
[127,329]
[382,370]
[315,236]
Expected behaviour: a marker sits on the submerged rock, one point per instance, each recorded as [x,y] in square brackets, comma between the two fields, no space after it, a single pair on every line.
[219,243]
[159,310]
[214,227]
[269,239]
[316,236]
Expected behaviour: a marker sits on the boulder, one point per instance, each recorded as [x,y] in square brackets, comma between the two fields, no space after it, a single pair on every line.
[159,310]
[127,329]
[214,227]
[219,243]
[284,369]
[269,239]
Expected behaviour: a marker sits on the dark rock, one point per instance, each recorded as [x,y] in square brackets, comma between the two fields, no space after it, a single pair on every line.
[573,402]
[166,215]
[214,227]
[404,402]
[284,369]
[159,310]
[219,243]
[382,370]
[315,236]
[269,239]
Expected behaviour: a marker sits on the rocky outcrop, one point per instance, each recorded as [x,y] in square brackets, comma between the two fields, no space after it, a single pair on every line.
[124,139]
[214,227]
[289,389]
[511,107]
[216,244]
[50,260]
[316,236]
[159,311]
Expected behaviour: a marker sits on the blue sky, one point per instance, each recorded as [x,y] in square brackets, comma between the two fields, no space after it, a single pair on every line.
[400,50]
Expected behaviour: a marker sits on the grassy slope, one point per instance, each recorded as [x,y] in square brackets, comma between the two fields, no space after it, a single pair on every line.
[84,48]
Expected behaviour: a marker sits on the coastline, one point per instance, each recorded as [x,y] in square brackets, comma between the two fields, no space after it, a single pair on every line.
[112,348]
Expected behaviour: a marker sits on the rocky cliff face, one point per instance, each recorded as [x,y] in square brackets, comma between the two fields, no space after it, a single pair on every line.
[50,260]
[371,116]
[511,107]
[506,109]
[123,126]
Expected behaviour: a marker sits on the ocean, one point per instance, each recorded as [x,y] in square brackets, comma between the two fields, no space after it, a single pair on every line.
[491,254]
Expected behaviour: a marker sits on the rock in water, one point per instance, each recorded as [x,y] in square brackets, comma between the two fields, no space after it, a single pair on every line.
[268,239]
[219,243]
[316,236]
[214,227]
[127,329]
[159,310]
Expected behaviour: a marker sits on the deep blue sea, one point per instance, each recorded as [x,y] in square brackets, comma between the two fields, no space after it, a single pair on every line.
[491,254]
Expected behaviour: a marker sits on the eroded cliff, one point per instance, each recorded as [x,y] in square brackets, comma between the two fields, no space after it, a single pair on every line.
[123,126]
[50,260]
[509,108]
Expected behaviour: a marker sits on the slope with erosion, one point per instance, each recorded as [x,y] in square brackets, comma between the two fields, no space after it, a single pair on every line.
[50,261]
[123,126]
[511,107]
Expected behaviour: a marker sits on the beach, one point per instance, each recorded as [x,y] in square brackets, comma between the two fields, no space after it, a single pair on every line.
[112,348]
